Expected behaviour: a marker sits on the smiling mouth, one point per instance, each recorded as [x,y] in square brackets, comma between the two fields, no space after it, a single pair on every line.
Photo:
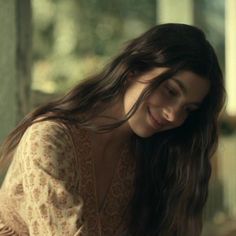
[155,123]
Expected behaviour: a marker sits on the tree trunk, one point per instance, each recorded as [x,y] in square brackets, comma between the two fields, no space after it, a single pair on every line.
[15,62]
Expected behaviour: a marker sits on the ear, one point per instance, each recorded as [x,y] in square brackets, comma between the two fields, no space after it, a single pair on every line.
[131,75]
[129,79]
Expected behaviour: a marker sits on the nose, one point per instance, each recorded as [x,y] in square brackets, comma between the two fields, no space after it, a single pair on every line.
[174,115]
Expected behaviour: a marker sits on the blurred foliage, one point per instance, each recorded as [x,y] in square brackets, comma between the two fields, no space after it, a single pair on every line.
[73,39]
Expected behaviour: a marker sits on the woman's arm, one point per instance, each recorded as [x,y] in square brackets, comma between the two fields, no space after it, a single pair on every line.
[52,204]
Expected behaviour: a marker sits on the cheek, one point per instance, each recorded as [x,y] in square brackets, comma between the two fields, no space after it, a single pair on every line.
[131,96]
[180,123]
[157,99]
[182,118]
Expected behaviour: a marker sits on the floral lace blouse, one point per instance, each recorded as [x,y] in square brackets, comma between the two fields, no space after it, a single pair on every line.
[49,188]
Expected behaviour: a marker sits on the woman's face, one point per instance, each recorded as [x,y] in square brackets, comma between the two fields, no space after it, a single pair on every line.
[169,105]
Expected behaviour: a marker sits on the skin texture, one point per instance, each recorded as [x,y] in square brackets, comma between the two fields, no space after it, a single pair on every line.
[169,105]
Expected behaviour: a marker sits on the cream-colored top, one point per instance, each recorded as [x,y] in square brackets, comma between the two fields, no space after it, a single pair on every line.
[50,188]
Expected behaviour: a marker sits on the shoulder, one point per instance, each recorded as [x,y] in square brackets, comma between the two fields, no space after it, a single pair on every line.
[49,127]
[47,142]
[54,132]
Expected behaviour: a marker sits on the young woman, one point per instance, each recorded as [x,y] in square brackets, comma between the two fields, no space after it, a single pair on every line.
[127,151]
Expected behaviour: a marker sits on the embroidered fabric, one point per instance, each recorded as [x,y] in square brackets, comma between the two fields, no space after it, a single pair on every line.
[6,231]
[111,218]
[11,224]
[54,173]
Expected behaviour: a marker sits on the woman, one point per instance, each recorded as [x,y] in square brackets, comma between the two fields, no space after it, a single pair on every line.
[127,151]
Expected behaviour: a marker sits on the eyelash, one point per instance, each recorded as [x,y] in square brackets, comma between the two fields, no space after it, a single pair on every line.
[189,110]
[171,91]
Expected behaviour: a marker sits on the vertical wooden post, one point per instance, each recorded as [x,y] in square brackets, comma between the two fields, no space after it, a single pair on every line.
[230,55]
[15,62]
[23,56]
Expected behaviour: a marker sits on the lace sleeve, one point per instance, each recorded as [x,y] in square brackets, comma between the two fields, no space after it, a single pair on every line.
[52,204]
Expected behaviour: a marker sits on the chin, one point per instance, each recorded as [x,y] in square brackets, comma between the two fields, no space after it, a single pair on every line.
[144,135]
[144,132]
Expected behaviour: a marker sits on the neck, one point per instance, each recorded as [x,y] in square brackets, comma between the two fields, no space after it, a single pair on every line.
[117,137]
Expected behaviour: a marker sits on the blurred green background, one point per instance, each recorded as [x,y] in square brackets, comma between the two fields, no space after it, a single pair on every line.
[73,39]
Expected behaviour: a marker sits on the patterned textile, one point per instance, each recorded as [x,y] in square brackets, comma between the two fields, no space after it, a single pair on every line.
[50,186]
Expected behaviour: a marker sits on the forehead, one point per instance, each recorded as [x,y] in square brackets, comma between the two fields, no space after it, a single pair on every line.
[193,86]
[187,79]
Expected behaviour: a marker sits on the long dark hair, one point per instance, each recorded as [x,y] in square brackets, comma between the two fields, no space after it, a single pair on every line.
[173,167]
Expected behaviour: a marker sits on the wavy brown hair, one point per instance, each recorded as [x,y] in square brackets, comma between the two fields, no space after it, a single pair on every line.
[173,167]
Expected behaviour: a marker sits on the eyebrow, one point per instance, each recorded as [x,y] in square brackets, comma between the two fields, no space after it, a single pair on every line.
[181,85]
[184,90]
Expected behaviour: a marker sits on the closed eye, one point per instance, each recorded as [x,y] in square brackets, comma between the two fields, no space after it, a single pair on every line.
[171,91]
[191,109]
